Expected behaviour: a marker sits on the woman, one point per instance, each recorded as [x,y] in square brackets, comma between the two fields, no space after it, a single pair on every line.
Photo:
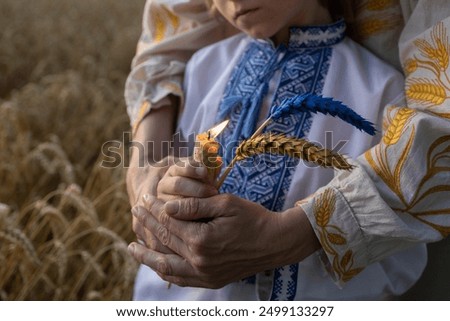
[378,207]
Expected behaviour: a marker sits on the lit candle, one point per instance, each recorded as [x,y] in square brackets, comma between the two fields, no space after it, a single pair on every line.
[206,150]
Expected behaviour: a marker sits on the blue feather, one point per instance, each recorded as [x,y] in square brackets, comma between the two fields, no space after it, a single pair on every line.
[313,103]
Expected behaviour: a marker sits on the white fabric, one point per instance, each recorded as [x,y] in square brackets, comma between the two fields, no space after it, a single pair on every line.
[172,30]
[158,67]
[398,196]
[365,84]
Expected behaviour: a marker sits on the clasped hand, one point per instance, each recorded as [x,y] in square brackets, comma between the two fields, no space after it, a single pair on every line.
[206,239]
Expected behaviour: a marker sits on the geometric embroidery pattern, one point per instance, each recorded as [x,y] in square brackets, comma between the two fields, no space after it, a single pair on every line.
[303,65]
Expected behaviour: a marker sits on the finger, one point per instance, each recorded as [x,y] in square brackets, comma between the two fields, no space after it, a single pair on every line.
[184,186]
[148,239]
[186,281]
[137,227]
[189,168]
[156,171]
[171,268]
[166,162]
[160,225]
[156,245]
[164,264]
[192,209]
[189,233]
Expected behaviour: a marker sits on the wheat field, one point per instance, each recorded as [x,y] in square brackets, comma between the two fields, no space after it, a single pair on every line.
[64,219]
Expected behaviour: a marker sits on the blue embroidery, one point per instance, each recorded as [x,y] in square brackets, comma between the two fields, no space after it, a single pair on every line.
[266,179]
[317,36]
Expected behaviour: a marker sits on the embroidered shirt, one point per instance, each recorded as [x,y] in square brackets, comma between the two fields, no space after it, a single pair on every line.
[366,210]
[342,70]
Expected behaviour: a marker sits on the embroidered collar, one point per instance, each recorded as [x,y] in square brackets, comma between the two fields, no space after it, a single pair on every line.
[310,36]
[317,36]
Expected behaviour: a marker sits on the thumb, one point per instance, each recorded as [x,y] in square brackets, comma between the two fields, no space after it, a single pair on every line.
[193,208]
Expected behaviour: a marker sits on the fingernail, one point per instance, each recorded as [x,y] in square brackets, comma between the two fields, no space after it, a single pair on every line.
[137,212]
[146,198]
[131,248]
[172,207]
[201,171]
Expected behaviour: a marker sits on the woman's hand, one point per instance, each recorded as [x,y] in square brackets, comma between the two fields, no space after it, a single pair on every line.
[142,181]
[148,164]
[239,238]
[186,178]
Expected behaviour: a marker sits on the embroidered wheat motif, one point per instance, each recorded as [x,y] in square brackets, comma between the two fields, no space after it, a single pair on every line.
[397,126]
[439,48]
[336,239]
[324,207]
[426,92]
[410,66]
[372,26]
[346,258]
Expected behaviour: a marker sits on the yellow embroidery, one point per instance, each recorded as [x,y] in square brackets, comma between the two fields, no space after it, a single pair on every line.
[387,119]
[391,137]
[377,5]
[410,66]
[173,19]
[426,92]
[382,166]
[324,208]
[164,22]
[437,164]
[158,24]
[371,26]
[396,127]
[434,58]
[438,49]
[331,236]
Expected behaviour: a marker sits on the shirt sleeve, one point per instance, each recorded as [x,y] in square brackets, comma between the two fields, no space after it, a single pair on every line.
[398,194]
[172,30]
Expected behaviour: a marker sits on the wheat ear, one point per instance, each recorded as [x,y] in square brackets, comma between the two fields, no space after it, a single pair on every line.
[279,144]
[327,106]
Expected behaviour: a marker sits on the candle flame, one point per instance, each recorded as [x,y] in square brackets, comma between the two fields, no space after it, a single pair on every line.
[216,130]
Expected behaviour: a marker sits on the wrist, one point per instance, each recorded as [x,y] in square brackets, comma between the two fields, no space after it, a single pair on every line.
[298,240]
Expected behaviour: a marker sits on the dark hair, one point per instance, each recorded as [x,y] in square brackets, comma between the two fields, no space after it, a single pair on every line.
[342,9]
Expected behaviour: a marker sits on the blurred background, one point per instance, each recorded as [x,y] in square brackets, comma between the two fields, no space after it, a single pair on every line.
[64,220]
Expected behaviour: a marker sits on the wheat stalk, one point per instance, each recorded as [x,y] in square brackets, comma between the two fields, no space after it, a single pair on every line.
[68,99]
[325,105]
[279,144]
[16,236]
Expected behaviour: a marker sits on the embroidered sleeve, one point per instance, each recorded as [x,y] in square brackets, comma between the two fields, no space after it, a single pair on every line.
[399,193]
[377,26]
[171,32]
